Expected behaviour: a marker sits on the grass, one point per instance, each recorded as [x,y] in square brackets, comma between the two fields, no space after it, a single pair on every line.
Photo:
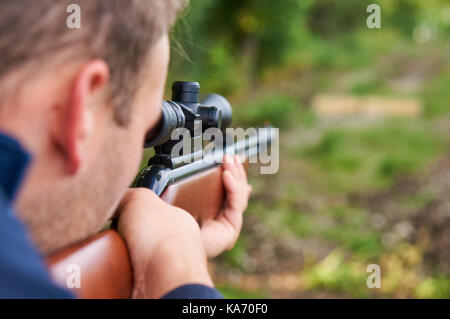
[278,110]
[437,96]
[237,293]
[433,287]
[236,257]
[372,156]
[346,274]
[338,274]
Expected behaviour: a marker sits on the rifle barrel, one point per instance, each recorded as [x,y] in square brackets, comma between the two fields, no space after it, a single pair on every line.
[158,177]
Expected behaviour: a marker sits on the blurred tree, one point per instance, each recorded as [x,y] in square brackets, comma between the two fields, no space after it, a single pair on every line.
[328,18]
[236,39]
[229,44]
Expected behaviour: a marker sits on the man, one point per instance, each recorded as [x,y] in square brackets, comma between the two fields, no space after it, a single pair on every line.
[80,102]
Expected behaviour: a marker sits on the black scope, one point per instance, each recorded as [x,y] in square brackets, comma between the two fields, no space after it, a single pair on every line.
[185,111]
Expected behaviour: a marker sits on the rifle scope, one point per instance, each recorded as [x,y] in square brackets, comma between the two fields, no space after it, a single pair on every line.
[185,111]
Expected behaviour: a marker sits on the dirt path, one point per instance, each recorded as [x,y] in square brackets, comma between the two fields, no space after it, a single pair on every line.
[427,224]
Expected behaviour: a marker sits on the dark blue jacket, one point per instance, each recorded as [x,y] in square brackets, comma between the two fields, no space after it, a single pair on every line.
[22,271]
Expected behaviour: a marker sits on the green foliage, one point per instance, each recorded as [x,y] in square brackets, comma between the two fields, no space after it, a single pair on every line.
[372,156]
[437,97]
[297,222]
[236,293]
[434,287]
[346,274]
[230,42]
[337,274]
[236,257]
[329,18]
[367,244]
[278,110]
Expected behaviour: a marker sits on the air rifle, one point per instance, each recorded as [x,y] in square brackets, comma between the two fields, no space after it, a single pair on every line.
[183,172]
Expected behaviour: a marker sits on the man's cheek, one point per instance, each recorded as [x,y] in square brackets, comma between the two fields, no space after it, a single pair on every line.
[134,153]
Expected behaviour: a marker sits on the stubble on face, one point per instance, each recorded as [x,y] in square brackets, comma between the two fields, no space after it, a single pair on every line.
[63,212]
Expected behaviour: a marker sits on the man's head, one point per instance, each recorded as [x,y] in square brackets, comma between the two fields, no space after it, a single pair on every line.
[81,102]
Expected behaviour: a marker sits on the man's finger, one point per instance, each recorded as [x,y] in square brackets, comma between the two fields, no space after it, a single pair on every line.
[230,165]
[240,169]
[230,182]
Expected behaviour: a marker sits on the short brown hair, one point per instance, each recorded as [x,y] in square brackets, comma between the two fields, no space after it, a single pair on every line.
[121,32]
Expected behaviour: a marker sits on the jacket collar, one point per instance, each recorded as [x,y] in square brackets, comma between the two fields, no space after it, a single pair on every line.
[14,161]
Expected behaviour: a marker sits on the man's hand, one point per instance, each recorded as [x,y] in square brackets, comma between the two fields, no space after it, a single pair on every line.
[165,245]
[222,233]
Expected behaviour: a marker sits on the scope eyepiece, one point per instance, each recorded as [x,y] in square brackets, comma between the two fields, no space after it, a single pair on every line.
[172,117]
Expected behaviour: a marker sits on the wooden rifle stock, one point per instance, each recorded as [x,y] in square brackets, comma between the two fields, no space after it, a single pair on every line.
[106,271]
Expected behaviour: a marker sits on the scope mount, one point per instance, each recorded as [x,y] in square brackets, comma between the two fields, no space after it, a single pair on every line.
[185,101]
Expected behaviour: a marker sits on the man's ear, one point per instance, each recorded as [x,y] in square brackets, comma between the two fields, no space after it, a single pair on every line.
[73,117]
